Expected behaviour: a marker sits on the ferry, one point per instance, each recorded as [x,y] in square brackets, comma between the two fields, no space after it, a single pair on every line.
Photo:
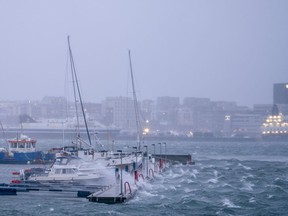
[275,126]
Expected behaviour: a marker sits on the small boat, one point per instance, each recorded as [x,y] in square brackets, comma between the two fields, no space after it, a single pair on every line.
[67,169]
[22,150]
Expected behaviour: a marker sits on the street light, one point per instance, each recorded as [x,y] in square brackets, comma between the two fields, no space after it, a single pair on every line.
[154,149]
[164,143]
[135,147]
[154,155]
[160,149]
[146,159]
[121,179]
[160,160]
[146,148]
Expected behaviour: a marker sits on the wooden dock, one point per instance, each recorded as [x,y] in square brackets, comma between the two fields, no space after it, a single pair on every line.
[74,190]
[111,195]
[174,158]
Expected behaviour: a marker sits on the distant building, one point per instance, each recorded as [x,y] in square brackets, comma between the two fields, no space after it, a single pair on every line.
[166,108]
[280,93]
[262,109]
[51,107]
[167,103]
[119,111]
[246,125]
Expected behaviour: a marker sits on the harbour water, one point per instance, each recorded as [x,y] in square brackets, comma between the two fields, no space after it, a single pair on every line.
[229,178]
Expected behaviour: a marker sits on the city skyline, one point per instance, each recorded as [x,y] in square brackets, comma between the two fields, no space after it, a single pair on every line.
[181,99]
[223,50]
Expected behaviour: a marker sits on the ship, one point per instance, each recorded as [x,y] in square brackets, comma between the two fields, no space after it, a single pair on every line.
[57,128]
[275,126]
[22,150]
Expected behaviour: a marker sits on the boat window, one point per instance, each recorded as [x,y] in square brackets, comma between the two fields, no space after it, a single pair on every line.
[64,161]
[58,171]
[70,171]
[21,145]
[57,161]
[33,145]
[28,145]
[63,171]
[13,145]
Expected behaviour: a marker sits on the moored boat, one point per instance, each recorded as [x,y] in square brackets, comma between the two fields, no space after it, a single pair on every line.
[22,150]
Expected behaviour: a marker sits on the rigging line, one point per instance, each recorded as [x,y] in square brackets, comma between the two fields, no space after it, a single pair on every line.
[138,124]
[74,88]
[3,131]
[79,94]
[66,85]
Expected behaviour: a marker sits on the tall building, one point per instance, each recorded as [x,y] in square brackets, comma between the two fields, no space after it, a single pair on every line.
[119,111]
[167,102]
[280,93]
[166,111]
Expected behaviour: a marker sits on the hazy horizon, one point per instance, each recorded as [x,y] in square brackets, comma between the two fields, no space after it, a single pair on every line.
[223,50]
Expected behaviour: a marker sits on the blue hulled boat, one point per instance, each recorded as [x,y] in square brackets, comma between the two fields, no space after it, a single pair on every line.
[22,150]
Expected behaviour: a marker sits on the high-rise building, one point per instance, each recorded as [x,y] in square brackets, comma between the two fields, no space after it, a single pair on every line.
[166,110]
[119,111]
[280,93]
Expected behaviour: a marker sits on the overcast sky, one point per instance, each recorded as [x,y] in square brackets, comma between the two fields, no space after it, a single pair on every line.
[223,50]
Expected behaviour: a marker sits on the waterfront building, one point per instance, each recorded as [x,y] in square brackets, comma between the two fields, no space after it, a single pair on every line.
[246,125]
[166,112]
[280,93]
[120,112]
[262,109]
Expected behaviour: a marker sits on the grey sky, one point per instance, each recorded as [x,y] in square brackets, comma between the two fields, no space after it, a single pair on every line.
[224,50]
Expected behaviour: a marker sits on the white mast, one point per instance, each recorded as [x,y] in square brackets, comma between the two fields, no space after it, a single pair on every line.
[138,123]
[75,80]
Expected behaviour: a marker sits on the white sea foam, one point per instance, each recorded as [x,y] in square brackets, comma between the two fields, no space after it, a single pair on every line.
[115,213]
[172,187]
[252,200]
[270,196]
[245,167]
[228,203]
[186,180]
[195,171]
[228,185]
[193,175]
[188,190]
[147,193]
[247,186]
[213,180]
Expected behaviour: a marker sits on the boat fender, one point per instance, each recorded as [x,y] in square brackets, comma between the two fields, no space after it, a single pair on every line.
[16,181]
[118,178]
[15,173]
[136,176]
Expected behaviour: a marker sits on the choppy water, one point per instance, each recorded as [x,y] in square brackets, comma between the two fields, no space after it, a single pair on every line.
[227,179]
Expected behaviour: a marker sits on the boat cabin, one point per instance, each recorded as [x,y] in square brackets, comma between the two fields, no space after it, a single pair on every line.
[21,144]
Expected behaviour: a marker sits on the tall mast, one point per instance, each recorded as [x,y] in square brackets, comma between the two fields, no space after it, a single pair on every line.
[138,123]
[75,80]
